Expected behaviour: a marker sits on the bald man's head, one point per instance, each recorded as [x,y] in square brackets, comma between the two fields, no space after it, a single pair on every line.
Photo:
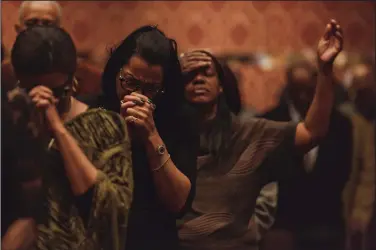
[38,13]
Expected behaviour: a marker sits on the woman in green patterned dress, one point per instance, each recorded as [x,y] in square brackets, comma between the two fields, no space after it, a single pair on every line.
[88,174]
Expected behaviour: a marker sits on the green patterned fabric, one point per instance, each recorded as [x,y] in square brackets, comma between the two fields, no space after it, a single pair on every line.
[103,137]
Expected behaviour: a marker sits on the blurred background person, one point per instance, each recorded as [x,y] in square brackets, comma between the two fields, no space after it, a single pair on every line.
[91,63]
[360,190]
[30,13]
[44,13]
[306,219]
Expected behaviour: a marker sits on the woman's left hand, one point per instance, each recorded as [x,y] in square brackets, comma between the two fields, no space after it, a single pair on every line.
[138,111]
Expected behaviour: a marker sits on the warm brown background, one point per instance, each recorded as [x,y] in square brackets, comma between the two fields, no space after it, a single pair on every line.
[275,27]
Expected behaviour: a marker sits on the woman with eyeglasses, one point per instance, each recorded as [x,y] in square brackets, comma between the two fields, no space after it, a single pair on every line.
[142,81]
[86,170]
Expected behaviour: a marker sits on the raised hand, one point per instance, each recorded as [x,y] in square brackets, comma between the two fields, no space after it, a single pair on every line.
[330,44]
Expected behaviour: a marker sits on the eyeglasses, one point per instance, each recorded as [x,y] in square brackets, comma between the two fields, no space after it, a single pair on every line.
[129,83]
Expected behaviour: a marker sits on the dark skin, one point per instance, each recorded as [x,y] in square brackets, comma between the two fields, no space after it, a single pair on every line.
[315,125]
[137,84]
[203,88]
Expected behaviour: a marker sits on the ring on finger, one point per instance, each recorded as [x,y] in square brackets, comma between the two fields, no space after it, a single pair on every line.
[152,105]
[139,103]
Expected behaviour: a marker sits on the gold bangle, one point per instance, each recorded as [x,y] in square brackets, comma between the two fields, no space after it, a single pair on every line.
[163,164]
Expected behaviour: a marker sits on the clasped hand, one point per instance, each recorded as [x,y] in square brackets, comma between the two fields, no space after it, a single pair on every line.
[138,110]
[43,98]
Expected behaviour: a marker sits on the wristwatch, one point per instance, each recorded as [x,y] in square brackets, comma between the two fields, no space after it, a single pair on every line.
[161,149]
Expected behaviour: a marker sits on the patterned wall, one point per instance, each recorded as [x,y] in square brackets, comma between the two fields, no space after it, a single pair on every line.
[274,27]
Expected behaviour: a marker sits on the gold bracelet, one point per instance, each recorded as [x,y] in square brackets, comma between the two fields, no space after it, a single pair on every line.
[163,164]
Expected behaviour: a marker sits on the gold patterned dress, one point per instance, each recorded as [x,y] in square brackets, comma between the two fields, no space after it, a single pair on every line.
[97,219]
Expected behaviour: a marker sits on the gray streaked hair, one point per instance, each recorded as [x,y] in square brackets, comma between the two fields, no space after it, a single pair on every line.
[24,4]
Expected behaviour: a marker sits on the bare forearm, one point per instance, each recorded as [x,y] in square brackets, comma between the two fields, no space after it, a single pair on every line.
[80,171]
[172,185]
[317,120]
[21,235]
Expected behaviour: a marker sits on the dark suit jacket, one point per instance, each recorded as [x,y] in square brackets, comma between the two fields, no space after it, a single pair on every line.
[315,198]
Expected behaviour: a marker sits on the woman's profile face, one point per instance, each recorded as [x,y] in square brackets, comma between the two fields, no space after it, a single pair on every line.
[139,76]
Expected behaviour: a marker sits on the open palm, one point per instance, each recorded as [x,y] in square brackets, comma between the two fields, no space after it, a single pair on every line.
[330,44]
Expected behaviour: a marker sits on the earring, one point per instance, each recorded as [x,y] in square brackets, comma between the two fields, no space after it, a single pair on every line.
[74,86]
[66,91]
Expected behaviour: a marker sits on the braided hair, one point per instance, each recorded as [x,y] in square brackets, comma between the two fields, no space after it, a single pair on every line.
[218,138]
